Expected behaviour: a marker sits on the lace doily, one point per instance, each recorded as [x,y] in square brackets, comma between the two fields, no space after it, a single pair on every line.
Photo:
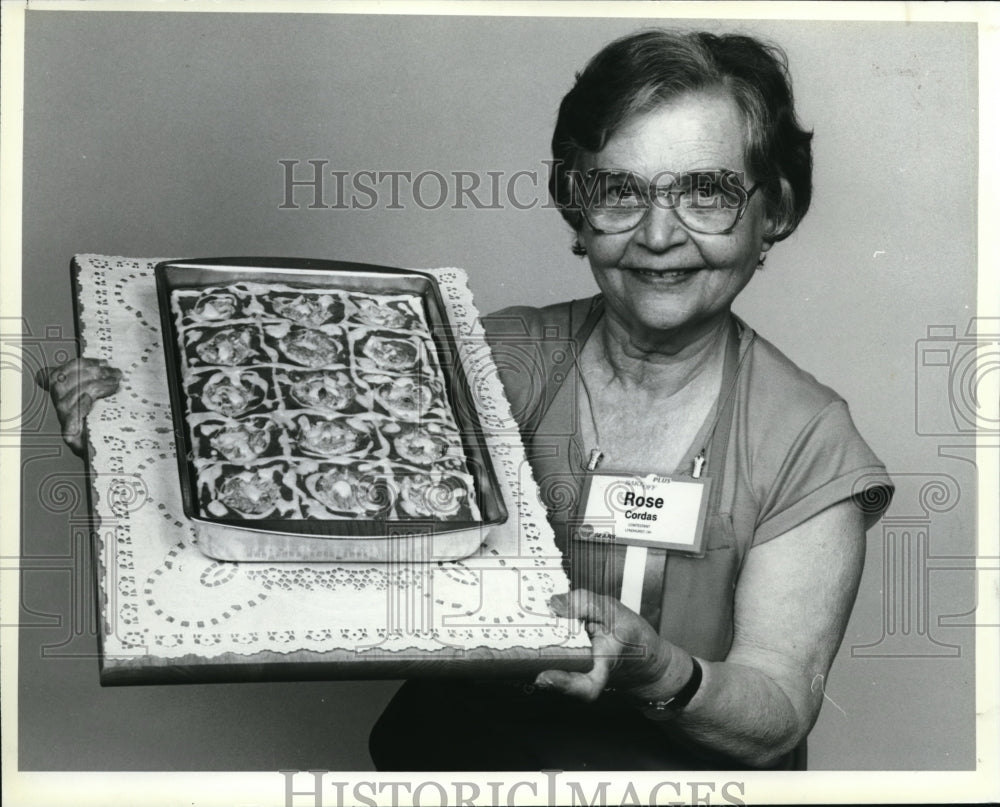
[161,597]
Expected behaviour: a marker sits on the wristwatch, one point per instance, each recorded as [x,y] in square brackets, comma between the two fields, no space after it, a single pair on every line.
[668,709]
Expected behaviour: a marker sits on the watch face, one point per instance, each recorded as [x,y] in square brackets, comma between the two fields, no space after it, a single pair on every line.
[668,709]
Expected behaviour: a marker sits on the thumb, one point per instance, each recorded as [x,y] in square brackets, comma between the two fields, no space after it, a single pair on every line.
[73,430]
[584,605]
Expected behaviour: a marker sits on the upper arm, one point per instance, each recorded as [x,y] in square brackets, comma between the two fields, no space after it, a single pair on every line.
[793,601]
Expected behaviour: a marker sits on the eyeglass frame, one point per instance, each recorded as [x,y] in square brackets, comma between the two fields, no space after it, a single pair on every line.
[649,187]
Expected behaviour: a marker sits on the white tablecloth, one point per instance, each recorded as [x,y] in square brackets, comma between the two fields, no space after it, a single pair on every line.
[161,597]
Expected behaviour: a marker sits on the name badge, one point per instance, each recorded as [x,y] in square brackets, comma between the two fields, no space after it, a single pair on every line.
[662,512]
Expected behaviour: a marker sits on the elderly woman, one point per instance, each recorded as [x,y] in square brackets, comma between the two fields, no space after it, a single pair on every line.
[678,164]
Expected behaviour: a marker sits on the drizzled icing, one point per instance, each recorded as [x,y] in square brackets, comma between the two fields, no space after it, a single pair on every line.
[305,425]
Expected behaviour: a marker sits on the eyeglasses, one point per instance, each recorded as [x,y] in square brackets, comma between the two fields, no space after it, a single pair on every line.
[709,201]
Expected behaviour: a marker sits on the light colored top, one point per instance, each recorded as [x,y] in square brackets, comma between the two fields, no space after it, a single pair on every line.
[784,451]
[792,451]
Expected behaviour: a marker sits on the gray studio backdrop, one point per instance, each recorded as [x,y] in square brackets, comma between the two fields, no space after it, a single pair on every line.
[150,134]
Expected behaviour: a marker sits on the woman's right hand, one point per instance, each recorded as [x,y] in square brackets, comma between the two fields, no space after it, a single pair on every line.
[74,387]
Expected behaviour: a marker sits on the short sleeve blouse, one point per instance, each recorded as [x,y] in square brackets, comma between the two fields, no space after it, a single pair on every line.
[792,452]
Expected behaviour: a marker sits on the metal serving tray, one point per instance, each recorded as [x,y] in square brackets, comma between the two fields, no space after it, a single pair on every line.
[347,539]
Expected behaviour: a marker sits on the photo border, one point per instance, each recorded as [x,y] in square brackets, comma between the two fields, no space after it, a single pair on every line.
[53,788]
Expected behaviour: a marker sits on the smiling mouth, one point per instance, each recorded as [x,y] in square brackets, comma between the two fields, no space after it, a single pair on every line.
[663,274]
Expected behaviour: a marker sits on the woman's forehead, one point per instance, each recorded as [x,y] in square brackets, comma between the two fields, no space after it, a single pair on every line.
[696,130]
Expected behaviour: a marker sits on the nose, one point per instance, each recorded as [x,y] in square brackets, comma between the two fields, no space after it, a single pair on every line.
[660,229]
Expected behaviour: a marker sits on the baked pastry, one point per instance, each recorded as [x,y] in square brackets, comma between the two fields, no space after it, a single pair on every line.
[392,353]
[317,404]
[322,437]
[421,445]
[381,315]
[406,398]
[240,441]
[433,496]
[252,494]
[232,393]
[215,307]
[306,309]
[228,346]
[311,347]
[346,491]
[329,391]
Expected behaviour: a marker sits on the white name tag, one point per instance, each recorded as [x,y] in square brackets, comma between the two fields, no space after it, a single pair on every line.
[665,512]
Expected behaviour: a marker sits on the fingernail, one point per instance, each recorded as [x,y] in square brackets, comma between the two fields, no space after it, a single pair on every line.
[543,682]
[558,600]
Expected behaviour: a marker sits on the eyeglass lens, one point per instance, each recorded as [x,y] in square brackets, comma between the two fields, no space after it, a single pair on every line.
[704,201]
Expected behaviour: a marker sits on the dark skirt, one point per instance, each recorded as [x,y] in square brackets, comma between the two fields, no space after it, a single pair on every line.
[459,725]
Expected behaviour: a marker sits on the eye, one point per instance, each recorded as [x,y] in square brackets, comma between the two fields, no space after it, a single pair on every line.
[711,189]
[622,194]
[617,189]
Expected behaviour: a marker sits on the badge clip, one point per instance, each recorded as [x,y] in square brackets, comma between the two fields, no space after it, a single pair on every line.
[596,455]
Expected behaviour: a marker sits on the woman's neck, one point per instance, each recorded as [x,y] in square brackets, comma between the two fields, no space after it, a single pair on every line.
[662,364]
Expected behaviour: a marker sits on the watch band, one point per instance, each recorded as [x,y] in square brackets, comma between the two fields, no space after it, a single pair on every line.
[667,709]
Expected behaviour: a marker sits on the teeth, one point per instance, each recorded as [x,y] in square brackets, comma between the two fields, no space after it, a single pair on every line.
[663,273]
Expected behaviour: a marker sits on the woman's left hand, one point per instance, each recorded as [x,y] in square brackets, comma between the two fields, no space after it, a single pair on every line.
[627,652]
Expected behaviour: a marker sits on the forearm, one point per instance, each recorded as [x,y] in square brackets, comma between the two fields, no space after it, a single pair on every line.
[739,711]
[793,602]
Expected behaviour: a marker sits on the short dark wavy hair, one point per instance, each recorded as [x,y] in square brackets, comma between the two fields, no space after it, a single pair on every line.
[639,72]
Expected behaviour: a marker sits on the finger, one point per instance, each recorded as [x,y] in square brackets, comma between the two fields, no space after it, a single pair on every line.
[97,384]
[96,373]
[73,425]
[57,378]
[101,387]
[584,686]
[80,399]
[52,374]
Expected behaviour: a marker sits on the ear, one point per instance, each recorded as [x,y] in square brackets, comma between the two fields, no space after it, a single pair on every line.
[778,222]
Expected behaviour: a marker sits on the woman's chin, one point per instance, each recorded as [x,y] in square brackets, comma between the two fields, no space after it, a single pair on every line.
[647,315]
[649,322]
